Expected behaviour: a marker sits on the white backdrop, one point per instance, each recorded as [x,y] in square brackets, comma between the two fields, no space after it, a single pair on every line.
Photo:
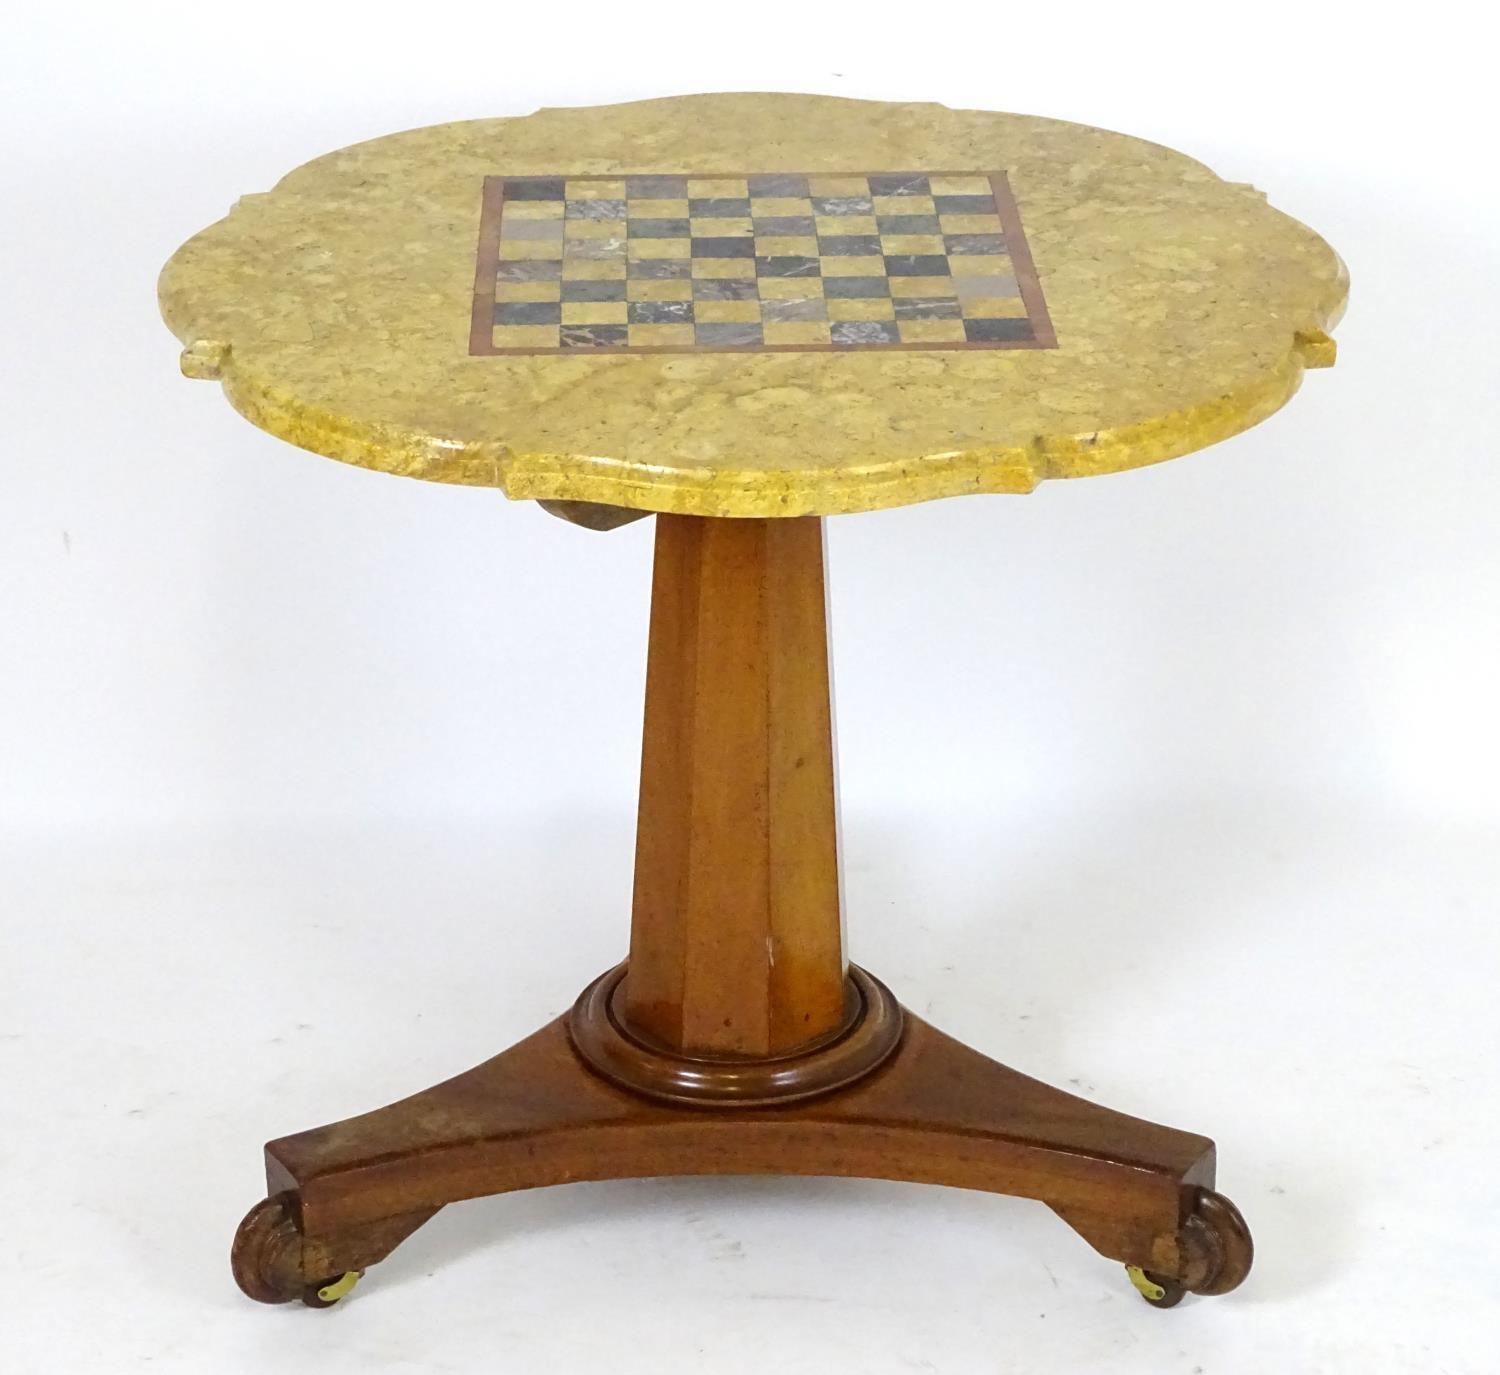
[1178,787]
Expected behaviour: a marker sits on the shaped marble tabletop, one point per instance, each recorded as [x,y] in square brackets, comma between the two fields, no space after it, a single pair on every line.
[754,305]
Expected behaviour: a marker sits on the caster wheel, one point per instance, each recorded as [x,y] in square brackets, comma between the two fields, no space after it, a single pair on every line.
[328,1293]
[1214,1254]
[1157,1290]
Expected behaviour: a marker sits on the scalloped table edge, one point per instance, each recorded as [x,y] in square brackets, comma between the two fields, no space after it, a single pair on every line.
[715,491]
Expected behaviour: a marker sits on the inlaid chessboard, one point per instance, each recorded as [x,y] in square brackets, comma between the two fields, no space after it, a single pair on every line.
[772,262]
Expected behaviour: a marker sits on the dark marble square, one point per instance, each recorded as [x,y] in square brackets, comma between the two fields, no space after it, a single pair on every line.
[529,270]
[712,247]
[660,312]
[965,205]
[849,245]
[843,205]
[723,289]
[785,225]
[664,188]
[899,186]
[855,288]
[974,243]
[657,229]
[776,184]
[908,224]
[527,313]
[593,291]
[659,269]
[864,332]
[534,188]
[596,210]
[996,331]
[778,312]
[721,207]
[736,332]
[790,266]
[594,336]
[594,249]
[927,308]
[916,264]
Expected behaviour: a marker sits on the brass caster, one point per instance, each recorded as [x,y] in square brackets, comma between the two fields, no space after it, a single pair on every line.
[328,1293]
[1157,1290]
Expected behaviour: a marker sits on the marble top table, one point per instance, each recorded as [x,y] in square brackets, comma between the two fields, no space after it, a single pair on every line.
[744,313]
[750,305]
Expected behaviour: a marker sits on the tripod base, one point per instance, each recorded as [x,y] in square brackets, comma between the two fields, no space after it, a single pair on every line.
[342,1197]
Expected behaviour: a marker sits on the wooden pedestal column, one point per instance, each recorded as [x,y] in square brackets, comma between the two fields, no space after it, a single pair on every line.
[736,945]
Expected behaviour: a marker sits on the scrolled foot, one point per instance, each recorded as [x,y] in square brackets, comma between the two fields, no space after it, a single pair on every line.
[1214,1253]
[267,1253]
[1216,1245]
[275,1261]
[268,1256]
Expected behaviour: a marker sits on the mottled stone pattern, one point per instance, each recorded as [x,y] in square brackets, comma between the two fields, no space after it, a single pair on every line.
[762,262]
[330,310]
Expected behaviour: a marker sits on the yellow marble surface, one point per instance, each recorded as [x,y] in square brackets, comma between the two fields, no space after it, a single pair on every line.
[335,309]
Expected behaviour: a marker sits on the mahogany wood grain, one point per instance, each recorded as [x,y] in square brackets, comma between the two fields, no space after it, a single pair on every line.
[936,1112]
[737,933]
